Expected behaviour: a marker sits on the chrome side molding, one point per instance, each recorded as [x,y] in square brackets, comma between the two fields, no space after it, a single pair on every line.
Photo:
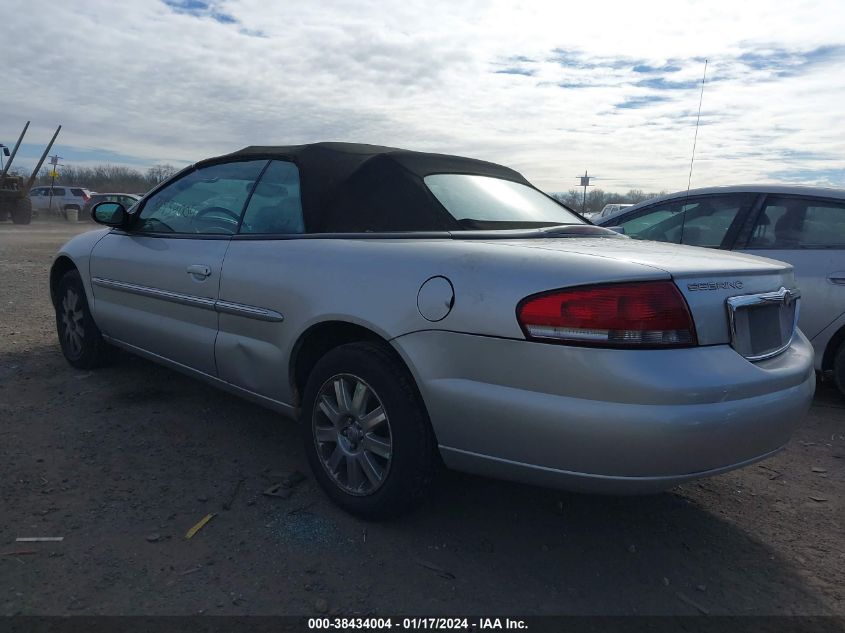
[226,307]
[155,293]
[251,312]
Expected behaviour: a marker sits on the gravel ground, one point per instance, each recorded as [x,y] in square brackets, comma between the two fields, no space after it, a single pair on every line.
[121,462]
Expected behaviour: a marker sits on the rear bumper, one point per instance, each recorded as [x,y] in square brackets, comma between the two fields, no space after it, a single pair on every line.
[579,482]
[616,421]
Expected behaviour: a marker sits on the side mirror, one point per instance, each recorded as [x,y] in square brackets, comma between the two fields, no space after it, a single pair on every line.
[110,214]
[618,229]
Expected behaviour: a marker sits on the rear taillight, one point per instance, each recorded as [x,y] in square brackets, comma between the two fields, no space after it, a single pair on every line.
[643,314]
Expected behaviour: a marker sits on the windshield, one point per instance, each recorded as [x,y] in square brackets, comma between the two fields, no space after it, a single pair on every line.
[481,202]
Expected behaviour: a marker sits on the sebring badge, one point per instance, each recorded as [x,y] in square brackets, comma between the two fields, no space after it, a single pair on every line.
[715,285]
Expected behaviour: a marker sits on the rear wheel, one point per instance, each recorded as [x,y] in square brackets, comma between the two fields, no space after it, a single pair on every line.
[81,340]
[22,211]
[366,431]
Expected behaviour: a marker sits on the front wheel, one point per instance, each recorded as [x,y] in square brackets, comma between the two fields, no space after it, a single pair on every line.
[366,432]
[82,343]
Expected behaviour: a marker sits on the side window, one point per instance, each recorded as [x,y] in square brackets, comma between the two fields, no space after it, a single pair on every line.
[77,192]
[703,221]
[661,222]
[276,205]
[709,220]
[58,192]
[799,223]
[208,200]
[35,192]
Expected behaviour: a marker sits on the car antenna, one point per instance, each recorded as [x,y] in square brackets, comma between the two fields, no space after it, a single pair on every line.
[694,142]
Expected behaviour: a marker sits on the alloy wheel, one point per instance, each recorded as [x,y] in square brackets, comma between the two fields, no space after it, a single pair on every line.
[73,332]
[352,434]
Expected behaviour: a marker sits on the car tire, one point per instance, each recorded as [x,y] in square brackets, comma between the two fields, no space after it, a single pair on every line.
[81,340]
[839,369]
[372,469]
[22,211]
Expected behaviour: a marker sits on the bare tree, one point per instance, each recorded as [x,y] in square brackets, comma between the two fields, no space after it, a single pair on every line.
[109,178]
[117,178]
[571,198]
[598,198]
[160,173]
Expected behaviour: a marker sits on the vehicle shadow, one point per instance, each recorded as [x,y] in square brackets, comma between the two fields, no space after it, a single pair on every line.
[660,554]
[144,450]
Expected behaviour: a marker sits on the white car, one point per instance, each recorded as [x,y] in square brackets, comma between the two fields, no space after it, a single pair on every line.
[61,199]
[608,209]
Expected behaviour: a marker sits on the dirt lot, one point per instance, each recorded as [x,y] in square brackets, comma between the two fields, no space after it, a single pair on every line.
[122,461]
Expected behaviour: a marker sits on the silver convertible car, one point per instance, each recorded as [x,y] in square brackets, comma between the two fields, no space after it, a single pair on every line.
[412,309]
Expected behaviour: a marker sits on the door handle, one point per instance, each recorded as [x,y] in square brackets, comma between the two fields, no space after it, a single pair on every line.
[199,270]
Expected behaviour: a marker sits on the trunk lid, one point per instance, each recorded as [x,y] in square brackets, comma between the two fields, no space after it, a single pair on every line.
[706,277]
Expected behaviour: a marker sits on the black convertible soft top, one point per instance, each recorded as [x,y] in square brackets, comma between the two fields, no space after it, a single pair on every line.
[352,187]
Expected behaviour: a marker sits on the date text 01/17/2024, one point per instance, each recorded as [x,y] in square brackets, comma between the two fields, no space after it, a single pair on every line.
[418,624]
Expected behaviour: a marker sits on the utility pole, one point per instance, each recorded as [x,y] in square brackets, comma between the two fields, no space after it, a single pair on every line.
[585,182]
[54,164]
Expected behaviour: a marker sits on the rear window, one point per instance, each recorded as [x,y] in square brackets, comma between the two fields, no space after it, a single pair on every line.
[482,202]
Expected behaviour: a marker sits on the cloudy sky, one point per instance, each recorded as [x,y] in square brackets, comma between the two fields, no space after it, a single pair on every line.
[550,88]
